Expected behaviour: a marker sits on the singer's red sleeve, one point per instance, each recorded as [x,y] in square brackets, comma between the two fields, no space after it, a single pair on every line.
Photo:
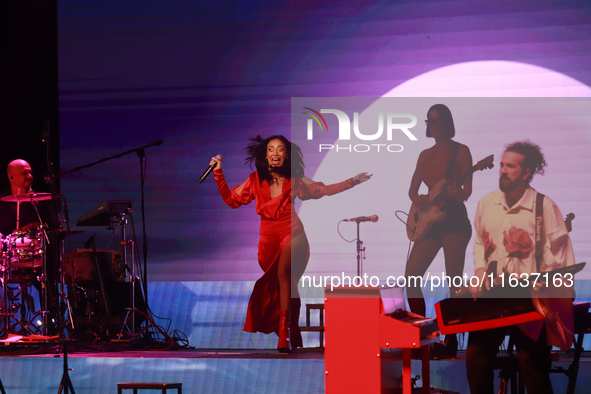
[231,197]
[317,190]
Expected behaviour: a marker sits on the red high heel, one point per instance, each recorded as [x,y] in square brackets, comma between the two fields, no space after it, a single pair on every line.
[284,343]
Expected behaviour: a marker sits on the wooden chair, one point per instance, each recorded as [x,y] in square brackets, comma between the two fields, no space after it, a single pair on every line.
[320,327]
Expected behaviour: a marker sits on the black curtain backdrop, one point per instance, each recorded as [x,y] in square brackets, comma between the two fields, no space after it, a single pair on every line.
[28,86]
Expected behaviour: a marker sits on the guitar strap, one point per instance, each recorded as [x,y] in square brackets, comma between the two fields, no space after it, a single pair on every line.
[539,229]
[452,160]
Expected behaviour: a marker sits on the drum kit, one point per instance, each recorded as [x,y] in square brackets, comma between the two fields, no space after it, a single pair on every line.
[91,285]
[92,289]
[23,263]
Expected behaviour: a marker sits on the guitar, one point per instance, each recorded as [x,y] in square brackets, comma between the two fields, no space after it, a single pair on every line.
[422,218]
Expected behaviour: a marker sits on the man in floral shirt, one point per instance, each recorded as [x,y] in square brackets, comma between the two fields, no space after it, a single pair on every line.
[505,233]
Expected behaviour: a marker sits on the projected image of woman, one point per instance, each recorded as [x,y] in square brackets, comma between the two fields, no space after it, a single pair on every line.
[446,159]
[283,249]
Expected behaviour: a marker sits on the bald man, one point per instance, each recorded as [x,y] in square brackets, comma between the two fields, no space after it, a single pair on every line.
[20,176]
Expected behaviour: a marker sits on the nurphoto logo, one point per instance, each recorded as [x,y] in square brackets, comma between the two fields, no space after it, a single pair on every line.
[395,123]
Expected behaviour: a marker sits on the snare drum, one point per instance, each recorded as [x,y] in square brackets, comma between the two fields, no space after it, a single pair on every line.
[25,249]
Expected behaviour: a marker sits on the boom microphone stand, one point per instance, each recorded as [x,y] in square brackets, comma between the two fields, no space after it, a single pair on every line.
[141,153]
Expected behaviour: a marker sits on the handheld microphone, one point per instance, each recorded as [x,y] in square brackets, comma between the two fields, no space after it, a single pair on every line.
[372,218]
[209,170]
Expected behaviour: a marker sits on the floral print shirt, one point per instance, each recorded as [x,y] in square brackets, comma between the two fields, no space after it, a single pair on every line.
[507,235]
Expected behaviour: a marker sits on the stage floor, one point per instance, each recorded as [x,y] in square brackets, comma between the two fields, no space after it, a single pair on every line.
[98,369]
[300,354]
[225,359]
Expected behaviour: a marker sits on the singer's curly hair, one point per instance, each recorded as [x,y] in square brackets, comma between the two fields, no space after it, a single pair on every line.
[533,158]
[257,153]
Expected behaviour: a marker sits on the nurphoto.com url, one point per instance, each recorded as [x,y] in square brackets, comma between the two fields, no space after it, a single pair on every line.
[435,281]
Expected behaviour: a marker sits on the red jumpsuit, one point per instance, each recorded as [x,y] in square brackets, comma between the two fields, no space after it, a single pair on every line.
[279,224]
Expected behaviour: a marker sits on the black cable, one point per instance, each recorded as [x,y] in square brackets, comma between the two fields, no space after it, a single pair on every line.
[138,260]
[398,217]
[341,235]
[181,338]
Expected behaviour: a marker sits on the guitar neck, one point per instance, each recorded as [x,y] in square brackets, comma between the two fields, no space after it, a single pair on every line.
[466,175]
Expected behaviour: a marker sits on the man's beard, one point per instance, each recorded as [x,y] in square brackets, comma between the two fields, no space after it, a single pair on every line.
[507,186]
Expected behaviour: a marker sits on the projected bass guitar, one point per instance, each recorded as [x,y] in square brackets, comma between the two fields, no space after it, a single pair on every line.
[422,218]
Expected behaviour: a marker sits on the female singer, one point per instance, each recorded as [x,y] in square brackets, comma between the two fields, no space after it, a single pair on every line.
[447,159]
[283,250]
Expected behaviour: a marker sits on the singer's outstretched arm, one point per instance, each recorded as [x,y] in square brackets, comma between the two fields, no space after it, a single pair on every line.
[319,189]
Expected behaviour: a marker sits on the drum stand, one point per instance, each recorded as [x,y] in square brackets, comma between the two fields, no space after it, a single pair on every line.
[63,296]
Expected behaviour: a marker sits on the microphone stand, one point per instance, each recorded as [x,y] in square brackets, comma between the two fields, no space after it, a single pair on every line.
[141,154]
[359,250]
[75,169]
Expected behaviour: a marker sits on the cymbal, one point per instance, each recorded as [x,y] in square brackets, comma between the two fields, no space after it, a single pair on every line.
[28,197]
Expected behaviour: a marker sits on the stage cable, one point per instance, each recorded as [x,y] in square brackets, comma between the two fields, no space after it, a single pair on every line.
[149,313]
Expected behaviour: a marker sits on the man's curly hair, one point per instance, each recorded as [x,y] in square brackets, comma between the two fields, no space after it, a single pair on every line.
[533,158]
